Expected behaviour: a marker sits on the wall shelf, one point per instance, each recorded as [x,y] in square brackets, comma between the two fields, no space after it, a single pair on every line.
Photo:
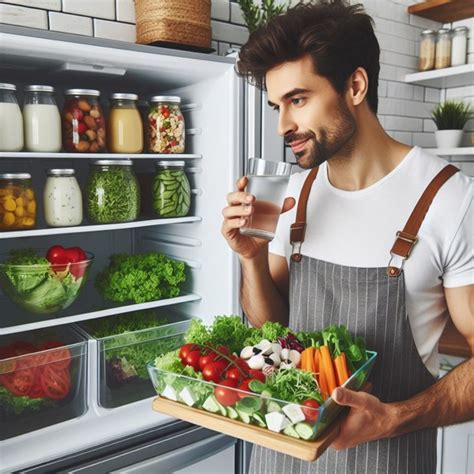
[101,156]
[456,76]
[462,151]
[444,11]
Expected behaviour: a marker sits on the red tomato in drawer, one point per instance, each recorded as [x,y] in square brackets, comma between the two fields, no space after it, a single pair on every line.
[19,382]
[55,383]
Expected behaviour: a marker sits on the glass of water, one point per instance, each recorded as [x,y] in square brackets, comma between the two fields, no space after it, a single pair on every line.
[267,181]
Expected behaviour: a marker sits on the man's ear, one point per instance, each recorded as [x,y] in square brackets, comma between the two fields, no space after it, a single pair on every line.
[357,86]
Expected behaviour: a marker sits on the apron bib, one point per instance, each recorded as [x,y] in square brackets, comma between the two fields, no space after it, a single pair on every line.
[371,303]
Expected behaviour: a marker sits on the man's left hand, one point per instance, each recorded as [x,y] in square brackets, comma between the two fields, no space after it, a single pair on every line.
[368,419]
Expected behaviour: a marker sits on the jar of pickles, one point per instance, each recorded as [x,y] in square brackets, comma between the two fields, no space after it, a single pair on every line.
[83,122]
[112,194]
[165,125]
[17,202]
[171,190]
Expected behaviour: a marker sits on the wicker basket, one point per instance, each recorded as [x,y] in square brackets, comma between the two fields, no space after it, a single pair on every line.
[185,22]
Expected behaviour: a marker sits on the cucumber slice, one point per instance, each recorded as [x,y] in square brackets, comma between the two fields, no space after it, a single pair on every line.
[256,386]
[267,393]
[260,419]
[249,405]
[222,409]
[273,406]
[232,414]
[304,430]
[245,417]
[211,404]
[290,431]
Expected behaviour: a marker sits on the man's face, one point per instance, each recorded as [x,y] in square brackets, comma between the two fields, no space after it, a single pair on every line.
[313,118]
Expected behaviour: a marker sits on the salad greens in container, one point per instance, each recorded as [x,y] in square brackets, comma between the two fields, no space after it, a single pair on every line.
[269,377]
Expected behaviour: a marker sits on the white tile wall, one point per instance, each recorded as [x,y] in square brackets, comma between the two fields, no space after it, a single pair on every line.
[79,25]
[43,4]
[236,14]
[22,16]
[220,10]
[125,10]
[226,32]
[114,30]
[93,8]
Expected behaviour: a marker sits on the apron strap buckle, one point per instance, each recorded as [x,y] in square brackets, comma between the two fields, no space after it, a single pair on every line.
[395,265]
[296,255]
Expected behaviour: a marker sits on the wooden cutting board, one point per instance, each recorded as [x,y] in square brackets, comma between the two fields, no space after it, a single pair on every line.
[298,448]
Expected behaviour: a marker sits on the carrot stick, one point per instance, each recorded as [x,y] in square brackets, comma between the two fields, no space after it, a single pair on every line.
[328,369]
[307,359]
[316,363]
[342,372]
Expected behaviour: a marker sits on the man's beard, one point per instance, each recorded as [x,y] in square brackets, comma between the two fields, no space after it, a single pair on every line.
[330,142]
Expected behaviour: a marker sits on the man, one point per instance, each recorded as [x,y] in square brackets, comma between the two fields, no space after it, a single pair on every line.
[319,65]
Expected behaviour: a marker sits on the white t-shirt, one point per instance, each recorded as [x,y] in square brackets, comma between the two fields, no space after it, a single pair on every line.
[357,228]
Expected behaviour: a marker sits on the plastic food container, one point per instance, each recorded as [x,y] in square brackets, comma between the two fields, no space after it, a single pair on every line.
[122,358]
[290,419]
[42,380]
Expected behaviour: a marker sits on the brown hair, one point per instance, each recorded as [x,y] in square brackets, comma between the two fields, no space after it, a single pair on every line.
[339,38]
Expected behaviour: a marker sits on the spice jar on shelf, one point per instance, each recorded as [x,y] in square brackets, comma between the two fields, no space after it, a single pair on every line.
[166,132]
[459,46]
[11,119]
[17,202]
[83,122]
[426,60]
[171,189]
[443,49]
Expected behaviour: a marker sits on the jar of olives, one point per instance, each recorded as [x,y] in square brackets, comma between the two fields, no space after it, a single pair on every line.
[17,202]
[83,122]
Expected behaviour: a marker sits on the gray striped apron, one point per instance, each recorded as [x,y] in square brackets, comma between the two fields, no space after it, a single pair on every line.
[371,303]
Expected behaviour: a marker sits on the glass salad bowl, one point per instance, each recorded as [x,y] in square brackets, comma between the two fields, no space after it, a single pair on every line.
[43,288]
[292,419]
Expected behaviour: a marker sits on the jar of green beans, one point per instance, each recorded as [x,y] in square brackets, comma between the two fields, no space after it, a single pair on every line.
[171,189]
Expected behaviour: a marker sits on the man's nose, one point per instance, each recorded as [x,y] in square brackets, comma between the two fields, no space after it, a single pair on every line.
[286,124]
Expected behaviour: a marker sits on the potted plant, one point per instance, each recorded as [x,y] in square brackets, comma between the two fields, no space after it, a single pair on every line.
[256,15]
[450,118]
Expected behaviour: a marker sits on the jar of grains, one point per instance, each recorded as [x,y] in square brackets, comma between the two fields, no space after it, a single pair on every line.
[443,49]
[459,46]
[426,60]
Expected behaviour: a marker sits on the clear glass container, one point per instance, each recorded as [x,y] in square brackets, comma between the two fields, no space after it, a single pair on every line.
[112,194]
[44,379]
[42,120]
[459,46]
[426,60]
[83,122]
[124,125]
[443,49]
[166,129]
[125,344]
[17,202]
[62,198]
[11,119]
[171,190]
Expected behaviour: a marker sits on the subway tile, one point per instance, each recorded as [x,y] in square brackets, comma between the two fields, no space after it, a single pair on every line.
[229,33]
[396,28]
[236,16]
[215,46]
[79,25]
[403,137]
[391,11]
[382,90]
[396,44]
[43,4]
[457,92]
[220,10]
[429,125]
[93,8]
[21,16]
[114,30]
[125,10]
[432,95]
[404,108]
[426,140]
[397,59]
[418,93]
[223,47]
[393,73]
[403,124]
[399,90]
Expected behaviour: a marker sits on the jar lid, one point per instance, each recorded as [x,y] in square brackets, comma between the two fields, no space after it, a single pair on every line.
[92,92]
[36,88]
[427,32]
[443,31]
[61,172]
[166,98]
[113,162]
[460,29]
[119,95]
[170,163]
[15,176]
[8,87]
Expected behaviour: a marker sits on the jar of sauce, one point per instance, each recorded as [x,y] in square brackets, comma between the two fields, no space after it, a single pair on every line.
[124,126]
[62,199]
[11,120]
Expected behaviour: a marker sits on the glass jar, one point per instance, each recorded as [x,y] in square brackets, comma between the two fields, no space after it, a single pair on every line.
[171,190]
[165,125]
[124,126]
[443,48]
[83,122]
[11,120]
[17,202]
[42,120]
[426,60]
[459,46]
[113,194]
[62,199]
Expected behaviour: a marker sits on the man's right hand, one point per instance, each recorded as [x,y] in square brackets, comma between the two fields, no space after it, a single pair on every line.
[236,215]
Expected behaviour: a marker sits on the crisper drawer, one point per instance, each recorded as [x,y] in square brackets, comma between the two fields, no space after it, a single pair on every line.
[124,346]
[42,379]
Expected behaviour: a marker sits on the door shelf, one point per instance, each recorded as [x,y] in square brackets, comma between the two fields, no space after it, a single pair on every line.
[96,228]
[111,309]
[456,76]
[85,156]
[461,151]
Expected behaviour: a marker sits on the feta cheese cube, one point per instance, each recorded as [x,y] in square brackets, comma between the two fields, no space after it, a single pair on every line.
[276,421]
[294,413]
[170,393]
[188,396]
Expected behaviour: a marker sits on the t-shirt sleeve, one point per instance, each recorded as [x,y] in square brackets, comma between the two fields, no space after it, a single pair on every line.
[459,266]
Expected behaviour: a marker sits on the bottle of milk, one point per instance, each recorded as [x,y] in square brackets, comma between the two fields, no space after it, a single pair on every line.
[11,121]
[42,120]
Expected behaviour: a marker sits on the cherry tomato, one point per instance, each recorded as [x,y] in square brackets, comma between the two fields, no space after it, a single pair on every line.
[245,387]
[55,383]
[75,255]
[234,373]
[183,352]
[207,359]
[57,256]
[192,358]
[19,382]
[213,372]
[311,410]
[257,374]
[226,396]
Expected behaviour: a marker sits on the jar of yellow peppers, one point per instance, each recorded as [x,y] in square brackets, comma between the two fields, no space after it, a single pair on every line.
[17,202]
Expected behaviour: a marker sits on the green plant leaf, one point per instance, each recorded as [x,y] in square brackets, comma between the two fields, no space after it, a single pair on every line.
[452,115]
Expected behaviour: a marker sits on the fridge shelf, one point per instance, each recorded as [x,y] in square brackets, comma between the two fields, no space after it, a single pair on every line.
[96,228]
[63,156]
[110,310]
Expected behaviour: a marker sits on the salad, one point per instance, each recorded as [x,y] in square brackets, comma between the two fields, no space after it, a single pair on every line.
[270,376]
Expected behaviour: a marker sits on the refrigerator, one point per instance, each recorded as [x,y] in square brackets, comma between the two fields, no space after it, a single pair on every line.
[223,126]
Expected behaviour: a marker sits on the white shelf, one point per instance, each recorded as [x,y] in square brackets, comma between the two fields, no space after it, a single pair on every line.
[462,151]
[74,318]
[103,156]
[456,76]
[95,228]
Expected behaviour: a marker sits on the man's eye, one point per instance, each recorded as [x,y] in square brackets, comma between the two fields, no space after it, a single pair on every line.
[275,107]
[297,100]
